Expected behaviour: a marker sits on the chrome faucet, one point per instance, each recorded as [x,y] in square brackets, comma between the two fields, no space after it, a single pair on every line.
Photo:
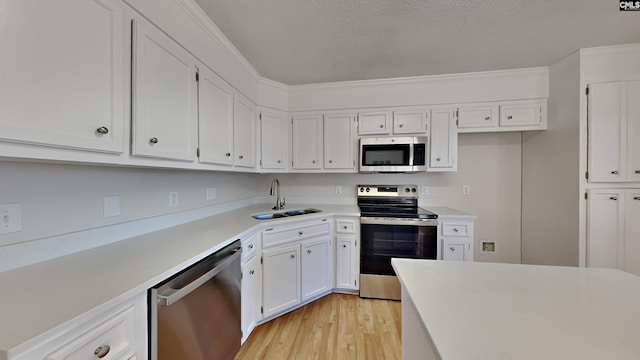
[275,190]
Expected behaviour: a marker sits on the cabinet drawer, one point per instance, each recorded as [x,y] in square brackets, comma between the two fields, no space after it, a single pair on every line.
[113,339]
[249,247]
[455,229]
[293,234]
[345,226]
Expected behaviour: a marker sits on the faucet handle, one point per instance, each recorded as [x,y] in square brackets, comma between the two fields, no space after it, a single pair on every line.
[282,203]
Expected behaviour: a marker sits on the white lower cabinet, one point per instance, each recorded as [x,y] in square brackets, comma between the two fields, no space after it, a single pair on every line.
[347,253]
[613,230]
[117,334]
[251,295]
[296,264]
[455,239]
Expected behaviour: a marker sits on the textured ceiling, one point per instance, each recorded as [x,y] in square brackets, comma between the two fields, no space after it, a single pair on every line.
[313,41]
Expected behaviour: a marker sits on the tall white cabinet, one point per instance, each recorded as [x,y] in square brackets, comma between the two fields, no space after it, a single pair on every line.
[215,118]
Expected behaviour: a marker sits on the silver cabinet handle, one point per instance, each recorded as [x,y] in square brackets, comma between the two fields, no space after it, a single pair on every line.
[102,130]
[615,172]
[227,154]
[613,198]
[251,272]
[240,157]
[309,251]
[344,246]
[401,125]
[300,233]
[153,140]
[509,117]
[293,256]
[452,249]
[455,230]
[250,246]
[102,351]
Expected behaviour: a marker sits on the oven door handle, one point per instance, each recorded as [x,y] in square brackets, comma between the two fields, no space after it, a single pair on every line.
[398,221]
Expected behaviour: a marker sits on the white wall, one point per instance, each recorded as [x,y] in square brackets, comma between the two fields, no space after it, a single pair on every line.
[551,176]
[62,199]
[489,163]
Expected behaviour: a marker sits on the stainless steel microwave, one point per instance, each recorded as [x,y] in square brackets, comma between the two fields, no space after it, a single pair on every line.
[393,154]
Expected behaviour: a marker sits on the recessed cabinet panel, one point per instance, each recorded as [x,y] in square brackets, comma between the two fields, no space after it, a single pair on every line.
[338,141]
[316,269]
[478,116]
[215,119]
[165,102]
[410,121]
[346,262]
[62,73]
[251,295]
[604,231]
[521,114]
[443,141]
[374,122]
[453,251]
[281,276]
[633,131]
[632,232]
[606,120]
[244,131]
[274,140]
[307,141]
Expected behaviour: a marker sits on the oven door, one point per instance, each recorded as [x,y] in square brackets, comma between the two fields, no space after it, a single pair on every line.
[383,239]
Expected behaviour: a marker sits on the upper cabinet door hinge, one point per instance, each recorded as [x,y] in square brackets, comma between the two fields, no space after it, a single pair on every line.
[260,116]
[586,196]
[260,162]
[587,91]
[198,152]
[586,175]
[197,76]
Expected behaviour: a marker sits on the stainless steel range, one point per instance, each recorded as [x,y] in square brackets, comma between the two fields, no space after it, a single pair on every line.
[392,225]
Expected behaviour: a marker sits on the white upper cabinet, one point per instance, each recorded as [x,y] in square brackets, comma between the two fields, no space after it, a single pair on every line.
[274,135]
[614,132]
[307,141]
[516,115]
[522,113]
[374,122]
[244,132]
[478,116]
[443,140]
[215,120]
[165,116]
[413,121]
[338,141]
[62,73]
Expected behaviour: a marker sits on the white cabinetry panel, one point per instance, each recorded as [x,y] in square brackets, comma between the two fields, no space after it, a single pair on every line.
[281,278]
[374,122]
[274,135]
[413,121]
[338,141]
[633,131]
[604,232]
[606,112]
[443,140]
[251,295]
[244,131]
[62,73]
[524,113]
[632,232]
[316,269]
[307,141]
[478,116]
[215,118]
[165,96]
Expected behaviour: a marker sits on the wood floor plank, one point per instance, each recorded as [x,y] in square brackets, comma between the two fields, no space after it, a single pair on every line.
[337,326]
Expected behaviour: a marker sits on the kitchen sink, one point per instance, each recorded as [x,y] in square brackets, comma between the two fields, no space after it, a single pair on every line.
[282,214]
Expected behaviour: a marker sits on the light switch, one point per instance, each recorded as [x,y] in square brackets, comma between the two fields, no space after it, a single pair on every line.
[10,218]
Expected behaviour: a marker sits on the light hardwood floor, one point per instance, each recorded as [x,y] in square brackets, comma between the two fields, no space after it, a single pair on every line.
[337,326]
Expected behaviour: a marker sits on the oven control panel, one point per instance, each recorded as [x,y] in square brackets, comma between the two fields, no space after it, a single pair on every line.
[388,190]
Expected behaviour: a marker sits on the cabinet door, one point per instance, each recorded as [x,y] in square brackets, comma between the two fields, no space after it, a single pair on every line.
[632,232]
[454,250]
[215,118]
[633,131]
[443,140]
[346,262]
[251,295]
[374,123]
[62,74]
[605,125]
[244,131]
[338,141]
[410,121]
[526,113]
[478,116]
[604,228]
[281,278]
[316,270]
[165,112]
[307,141]
[274,135]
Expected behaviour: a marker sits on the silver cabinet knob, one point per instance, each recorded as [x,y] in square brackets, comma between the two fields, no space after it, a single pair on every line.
[251,272]
[509,117]
[636,198]
[344,245]
[487,118]
[102,351]
[227,154]
[437,159]
[309,251]
[293,256]
[455,230]
[330,161]
[615,172]
[153,140]
[279,161]
[241,157]
[102,130]
[300,233]
[637,171]
[401,125]
[452,249]
[313,161]
[250,246]
[613,198]
[345,227]
[381,126]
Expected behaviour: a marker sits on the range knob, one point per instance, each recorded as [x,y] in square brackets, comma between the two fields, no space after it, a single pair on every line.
[361,189]
[413,190]
[368,190]
[406,190]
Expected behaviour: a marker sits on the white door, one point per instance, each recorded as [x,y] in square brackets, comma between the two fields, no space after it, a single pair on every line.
[454,250]
[165,115]
[315,267]
[604,228]
[274,135]
[605,129]
[215,104]
[443,140]
[374,122]
[632,231]
[244,131]
[411,121]
[345,267]
[281,278]
[633,131]
[62,73]
[251,295]
[338,141]
[307,141]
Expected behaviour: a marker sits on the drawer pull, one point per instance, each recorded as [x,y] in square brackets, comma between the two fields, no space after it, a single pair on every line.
[344,245]
[345,227]
[452,249]
[250,246]
[227,154]
[401,125]
[455,230]
[613,198]
[300,233]
[293,256]
[102,351]
[438,159]
[615,172]
[309,251]
[241,157]
[509,117]
[381,126]
[102,130]
[279,161]
[636,198]
[153,140]
[487,118]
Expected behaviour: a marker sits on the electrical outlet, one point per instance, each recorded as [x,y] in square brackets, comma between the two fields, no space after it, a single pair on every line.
[424,190]
[173,199]
[111,206]
[10,218]
[211,193]
[338,190]
[488,246]
[466,189]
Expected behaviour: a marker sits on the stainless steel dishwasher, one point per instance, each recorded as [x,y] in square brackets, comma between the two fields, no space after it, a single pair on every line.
[195,314]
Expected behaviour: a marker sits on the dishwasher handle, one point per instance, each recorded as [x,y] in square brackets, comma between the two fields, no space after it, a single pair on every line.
[176,294]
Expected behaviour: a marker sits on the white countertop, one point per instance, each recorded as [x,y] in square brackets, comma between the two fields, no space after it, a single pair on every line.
[70,289]
[507,311]
[447,212]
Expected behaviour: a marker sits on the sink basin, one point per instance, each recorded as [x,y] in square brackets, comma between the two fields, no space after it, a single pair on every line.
[281,214]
